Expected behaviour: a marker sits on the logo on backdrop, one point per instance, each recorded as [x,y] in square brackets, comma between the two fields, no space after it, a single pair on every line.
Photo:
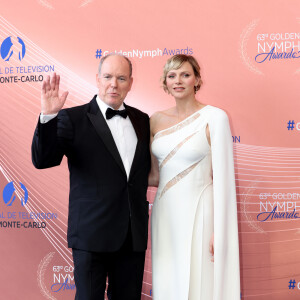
[260,47]
[9,194]
[62,277]
[292,125]
[274,206]
[236,138]
[13,46]
[143,53]
[21,219]
[293,284]
[13,49]
[277,46]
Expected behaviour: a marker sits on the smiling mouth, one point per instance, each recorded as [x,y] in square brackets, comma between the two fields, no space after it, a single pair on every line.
[179,89]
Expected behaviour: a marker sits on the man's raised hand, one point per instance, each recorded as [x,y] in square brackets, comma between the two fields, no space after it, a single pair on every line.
[51,102]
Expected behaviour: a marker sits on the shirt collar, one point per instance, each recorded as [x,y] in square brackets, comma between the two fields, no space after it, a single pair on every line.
[103,106]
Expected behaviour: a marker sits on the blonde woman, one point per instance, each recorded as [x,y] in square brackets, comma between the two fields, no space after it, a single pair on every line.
[195,252]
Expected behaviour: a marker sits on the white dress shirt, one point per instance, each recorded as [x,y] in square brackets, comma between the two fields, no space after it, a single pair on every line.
[121,129]
[123,133]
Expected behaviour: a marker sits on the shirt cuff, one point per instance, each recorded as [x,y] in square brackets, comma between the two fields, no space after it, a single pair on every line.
[46,118]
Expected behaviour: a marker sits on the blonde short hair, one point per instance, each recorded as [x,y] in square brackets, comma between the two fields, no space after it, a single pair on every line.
[175,62]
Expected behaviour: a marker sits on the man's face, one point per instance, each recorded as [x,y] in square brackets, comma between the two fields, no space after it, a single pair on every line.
[114,81]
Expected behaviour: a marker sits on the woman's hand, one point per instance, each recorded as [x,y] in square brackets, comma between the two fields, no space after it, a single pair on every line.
[212,247]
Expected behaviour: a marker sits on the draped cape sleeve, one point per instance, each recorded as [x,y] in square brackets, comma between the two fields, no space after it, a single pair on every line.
[226,245]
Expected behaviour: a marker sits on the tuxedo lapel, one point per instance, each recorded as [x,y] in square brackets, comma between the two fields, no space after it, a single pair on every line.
[104,132]
[137,128]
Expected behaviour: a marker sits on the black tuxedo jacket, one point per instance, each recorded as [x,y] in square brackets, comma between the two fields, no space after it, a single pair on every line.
[102,201]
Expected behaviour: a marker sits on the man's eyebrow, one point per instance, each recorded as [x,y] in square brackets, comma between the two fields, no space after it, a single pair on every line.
[118,75]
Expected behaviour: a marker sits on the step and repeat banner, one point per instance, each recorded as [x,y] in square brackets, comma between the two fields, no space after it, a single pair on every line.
[249,53]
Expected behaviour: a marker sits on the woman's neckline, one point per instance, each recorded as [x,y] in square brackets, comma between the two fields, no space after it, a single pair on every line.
[162,130]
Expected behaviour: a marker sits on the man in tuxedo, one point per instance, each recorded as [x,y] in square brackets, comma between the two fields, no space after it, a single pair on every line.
[106,143]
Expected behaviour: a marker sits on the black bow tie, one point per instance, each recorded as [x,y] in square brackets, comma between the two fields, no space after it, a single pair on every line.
[110,113]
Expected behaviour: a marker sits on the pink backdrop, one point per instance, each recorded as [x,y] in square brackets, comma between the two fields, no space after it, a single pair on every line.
[261,99]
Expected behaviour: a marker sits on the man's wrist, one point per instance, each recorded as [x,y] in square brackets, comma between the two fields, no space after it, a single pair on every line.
[44,118]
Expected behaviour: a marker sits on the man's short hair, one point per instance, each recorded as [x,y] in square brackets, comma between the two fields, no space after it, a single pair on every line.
[114,54]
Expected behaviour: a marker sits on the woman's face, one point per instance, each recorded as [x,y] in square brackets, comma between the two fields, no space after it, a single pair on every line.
[181,82]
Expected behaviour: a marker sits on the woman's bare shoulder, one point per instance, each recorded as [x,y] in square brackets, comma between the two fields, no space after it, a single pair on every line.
[159,115]
[159,118]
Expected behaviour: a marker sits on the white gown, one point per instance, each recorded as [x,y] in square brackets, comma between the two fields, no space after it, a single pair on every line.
[195,198]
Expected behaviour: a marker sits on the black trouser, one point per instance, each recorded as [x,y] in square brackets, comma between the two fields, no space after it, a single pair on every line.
[124,269]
